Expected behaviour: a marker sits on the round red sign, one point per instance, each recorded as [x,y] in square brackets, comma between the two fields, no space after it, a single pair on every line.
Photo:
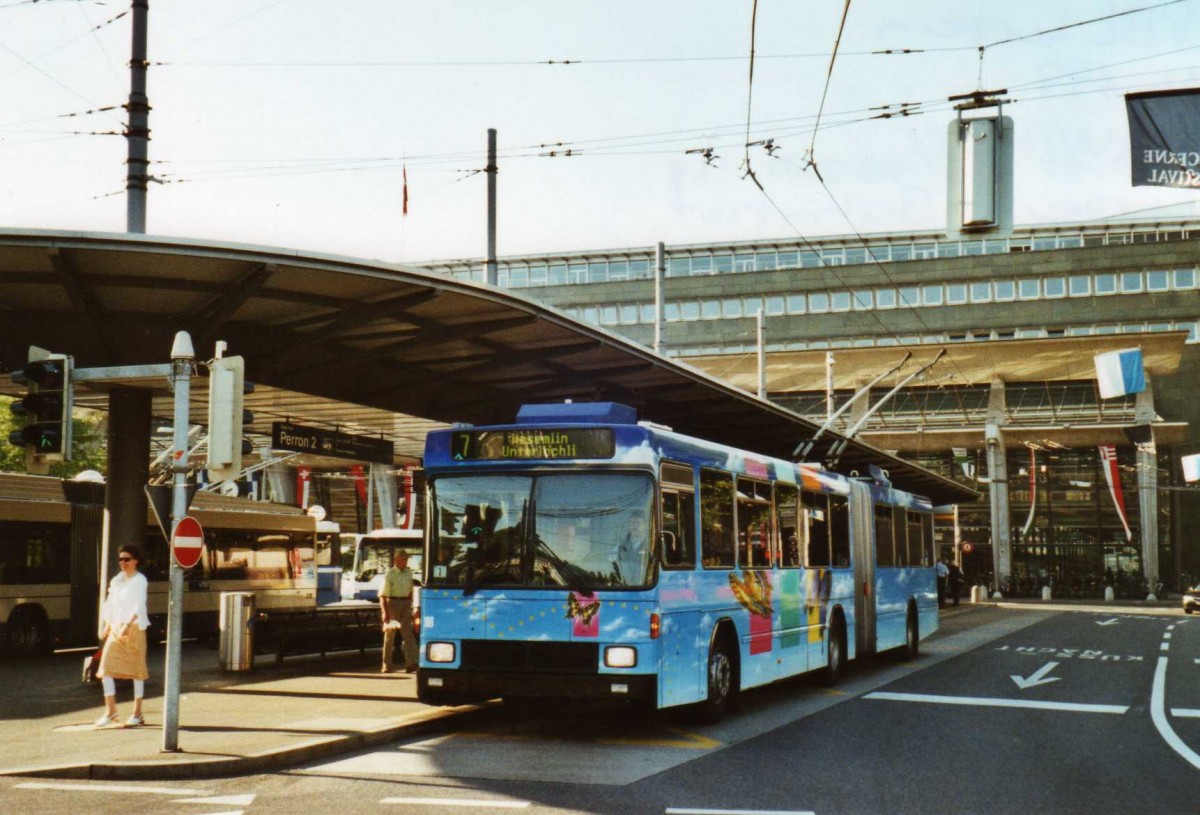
[187,542]
[968,548]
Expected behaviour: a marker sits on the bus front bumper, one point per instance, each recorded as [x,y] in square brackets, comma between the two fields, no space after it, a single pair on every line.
[455,687]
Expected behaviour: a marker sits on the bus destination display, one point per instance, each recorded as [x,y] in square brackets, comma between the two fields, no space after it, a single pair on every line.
[558,443]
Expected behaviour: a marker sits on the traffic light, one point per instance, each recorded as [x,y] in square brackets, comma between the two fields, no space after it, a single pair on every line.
[226,417]
[45,407]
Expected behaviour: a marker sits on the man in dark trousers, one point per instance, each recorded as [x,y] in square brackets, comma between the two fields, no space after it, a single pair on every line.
[396,606]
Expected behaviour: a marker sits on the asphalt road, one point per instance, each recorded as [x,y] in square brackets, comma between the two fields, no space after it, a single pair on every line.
[1007,711]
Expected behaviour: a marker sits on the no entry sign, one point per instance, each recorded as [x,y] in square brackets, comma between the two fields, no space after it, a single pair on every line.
[187,542]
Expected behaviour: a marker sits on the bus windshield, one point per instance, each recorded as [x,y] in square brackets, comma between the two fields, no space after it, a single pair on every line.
[583,532]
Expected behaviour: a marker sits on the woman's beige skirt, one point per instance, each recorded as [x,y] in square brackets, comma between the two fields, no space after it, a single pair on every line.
[124,659]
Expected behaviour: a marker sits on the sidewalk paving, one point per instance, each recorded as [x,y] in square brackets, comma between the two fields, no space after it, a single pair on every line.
[230,723]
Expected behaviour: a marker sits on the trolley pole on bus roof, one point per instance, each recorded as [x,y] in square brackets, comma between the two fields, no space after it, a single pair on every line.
[182,361]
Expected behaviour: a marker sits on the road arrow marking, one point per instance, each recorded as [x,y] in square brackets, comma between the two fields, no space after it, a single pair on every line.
[227,800]
[1037,678]
[1113,621]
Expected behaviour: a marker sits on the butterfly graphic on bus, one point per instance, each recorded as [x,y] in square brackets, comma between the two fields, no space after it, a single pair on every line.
[586,616]
[753,592]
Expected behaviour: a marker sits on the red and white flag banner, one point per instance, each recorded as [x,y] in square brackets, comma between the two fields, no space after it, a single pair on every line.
[1108,462]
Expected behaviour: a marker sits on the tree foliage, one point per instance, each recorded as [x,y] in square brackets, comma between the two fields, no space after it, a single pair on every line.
[87,445]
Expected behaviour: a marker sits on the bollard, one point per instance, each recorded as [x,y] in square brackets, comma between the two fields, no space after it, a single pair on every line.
[978,594]
[1108,594]
[1045,593]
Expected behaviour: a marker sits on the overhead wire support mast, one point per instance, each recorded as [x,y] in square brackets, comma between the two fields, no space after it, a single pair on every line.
[835,452]
[805,447]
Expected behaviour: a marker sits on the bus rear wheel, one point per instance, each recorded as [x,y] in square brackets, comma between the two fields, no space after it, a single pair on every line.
[912,637]
[721,682]
[27,633]
[835,652]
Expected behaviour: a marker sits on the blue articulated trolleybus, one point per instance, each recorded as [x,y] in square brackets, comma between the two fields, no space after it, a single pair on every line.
[579,553]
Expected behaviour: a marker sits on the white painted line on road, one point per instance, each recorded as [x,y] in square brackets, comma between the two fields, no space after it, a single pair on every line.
[677,811]
[983,701]
[1185,713]
[458,802]
[37,785]
[1166,646]
[1158,713]
[234,800]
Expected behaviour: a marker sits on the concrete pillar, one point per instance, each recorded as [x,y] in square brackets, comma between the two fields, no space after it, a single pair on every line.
[1147,483]
[128,472]
[998,482]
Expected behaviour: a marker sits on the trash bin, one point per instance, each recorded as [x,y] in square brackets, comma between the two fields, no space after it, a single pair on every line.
[237,631]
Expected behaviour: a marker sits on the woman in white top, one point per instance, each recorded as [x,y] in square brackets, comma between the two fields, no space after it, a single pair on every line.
[123,624]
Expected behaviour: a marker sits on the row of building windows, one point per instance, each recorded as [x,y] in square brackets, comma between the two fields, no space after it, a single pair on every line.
[929,294]
[1191,326]
[517,274]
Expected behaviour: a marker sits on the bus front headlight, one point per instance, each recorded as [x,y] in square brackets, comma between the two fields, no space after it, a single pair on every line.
[440,652]
[620,656]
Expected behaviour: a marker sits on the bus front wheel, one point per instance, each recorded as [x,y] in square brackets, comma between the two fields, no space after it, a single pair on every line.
[721,682]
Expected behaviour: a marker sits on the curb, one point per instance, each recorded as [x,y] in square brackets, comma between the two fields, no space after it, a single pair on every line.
[264,761]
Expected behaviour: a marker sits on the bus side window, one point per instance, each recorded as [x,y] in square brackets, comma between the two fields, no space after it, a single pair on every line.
[885,542]
[839,530]
[716,519]
[916,542]
[754,524]
[789,530]
[816,519]
[926,539]
[679,530]
[900,530]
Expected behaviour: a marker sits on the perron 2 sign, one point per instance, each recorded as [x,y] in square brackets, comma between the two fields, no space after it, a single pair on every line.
[315,440]
[1164,138]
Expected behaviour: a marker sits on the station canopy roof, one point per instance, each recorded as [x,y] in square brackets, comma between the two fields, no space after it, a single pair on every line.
[348,344]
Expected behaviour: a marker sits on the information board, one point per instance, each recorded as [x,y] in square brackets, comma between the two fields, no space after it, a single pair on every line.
[541,443]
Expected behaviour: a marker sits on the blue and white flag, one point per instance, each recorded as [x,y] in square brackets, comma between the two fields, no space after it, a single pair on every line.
[1120,372]
[1191,468]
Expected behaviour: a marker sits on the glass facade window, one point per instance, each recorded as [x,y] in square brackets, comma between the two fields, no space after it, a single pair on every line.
[956,294]
[995,247]
[1080,285]
[647,312]
[751,305]
[743,263]
[710,309]
[679,267]
[855,255]
[1131,282]
[731,308]
[639,269]
[764,261]
[690,310]
[591,314]
[670,312]
[618,270]
[558,274]
[537,274]
[971,248]
[910,296]
[1158,281]
[818,302]
[1185,278]
[701,265]
[629,313]
[1106,284]
[901,251]
[885,298]
[840,301]
[608,315]
[797,304]
[787,260]
[863,299]
[1054,287]
[774,304]
[923,251]
[1005,290]
[722,264]
[948,249]
[931,295]
[981,292]
[810,260]
[1029,289]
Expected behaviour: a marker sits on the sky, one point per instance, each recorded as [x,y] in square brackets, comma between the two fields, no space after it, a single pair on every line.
[292,123]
